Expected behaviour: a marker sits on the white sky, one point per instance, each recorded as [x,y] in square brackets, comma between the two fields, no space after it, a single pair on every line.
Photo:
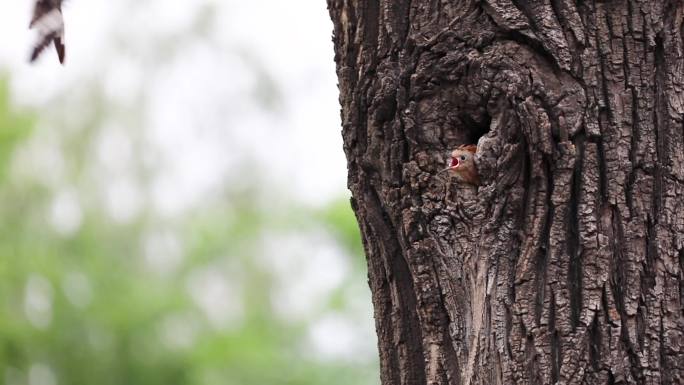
[201,121]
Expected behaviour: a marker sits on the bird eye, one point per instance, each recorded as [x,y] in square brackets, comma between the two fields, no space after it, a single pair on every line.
[462,157]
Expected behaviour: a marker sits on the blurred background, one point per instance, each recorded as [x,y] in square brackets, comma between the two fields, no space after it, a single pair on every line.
[173,207]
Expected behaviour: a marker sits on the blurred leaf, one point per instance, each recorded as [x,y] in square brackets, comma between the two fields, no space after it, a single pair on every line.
[340,218]
[13,127]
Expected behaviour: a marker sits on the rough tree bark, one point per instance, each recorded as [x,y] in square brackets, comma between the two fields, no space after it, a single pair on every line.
[565,266]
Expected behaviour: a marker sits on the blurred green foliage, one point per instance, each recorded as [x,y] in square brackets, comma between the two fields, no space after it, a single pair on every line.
[87,309]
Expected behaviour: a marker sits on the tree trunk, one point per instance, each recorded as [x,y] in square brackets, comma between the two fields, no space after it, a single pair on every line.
[565,265]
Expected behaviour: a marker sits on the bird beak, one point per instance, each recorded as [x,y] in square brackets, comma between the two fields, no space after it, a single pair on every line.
[452,165]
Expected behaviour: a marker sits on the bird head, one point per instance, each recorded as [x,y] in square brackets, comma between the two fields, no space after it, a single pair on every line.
[462,158]
[462,164]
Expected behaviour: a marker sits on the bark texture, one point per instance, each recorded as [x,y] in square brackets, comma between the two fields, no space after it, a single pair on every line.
[565,266]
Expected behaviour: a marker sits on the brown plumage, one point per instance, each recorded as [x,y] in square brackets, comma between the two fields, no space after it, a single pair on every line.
[462,164]
[48,22]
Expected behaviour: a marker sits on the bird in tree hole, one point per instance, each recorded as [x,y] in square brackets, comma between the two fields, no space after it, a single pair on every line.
[48,22]
[462,164]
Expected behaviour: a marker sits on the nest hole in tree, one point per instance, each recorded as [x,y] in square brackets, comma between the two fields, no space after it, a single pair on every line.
[474,127]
